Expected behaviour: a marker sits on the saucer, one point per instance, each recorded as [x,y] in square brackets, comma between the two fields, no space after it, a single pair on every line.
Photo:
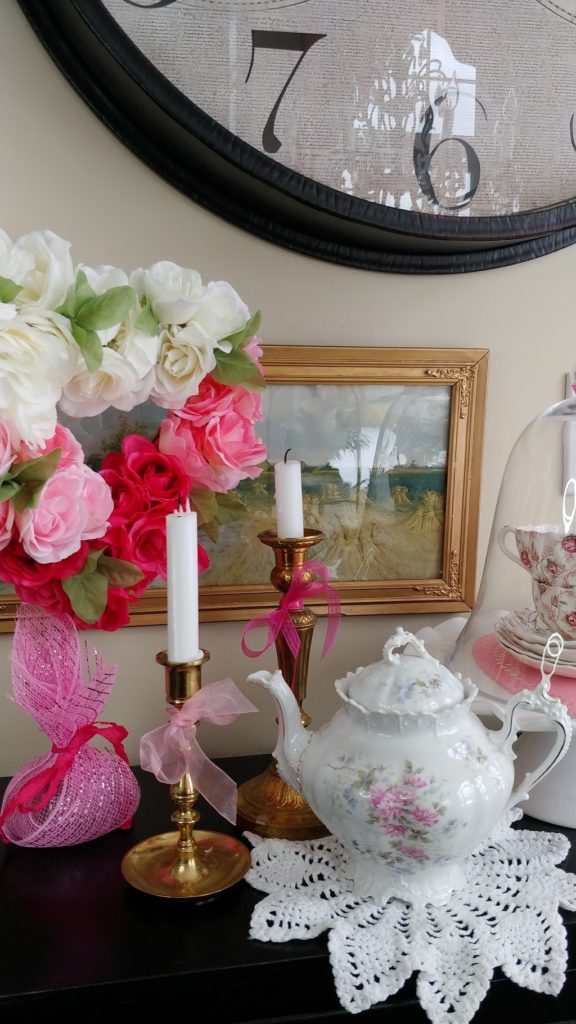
[563,668]
[533,649]
[523,626]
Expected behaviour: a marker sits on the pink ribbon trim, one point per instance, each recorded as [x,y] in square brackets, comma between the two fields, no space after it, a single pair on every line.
[45,784]
[279,620]
[172,750]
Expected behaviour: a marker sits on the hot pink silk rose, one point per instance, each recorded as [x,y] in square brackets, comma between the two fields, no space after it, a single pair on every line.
[162,476]
[117,542]
[20,570]
[75,505]
[148,542]
[128,492]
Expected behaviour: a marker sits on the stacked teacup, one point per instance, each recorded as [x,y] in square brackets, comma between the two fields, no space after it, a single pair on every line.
[548,553]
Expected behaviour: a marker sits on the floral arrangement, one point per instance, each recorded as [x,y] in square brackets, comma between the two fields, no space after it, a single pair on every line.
[75,341]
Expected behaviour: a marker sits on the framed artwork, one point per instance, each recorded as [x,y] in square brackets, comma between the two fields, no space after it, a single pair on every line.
[390,441]
[436,136]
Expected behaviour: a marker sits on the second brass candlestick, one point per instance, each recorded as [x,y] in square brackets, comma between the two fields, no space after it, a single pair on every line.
[267,805]
[186,864]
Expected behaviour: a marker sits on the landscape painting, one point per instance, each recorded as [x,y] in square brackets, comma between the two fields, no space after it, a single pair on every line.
[390,446]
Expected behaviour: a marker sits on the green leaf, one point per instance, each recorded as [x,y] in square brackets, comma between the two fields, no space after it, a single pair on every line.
[228,515]
[88,589]
[230,500]
[205,504]
[28,496]
[8,289]
[8,488]
[83,291]
[90,346]
[146,321]
[37,470]
[79,293]
[118,572]
[30,477]
[247,333]
[236,368]
[107,309]
[230,508]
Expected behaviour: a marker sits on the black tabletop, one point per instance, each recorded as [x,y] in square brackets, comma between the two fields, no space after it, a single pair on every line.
[76,938]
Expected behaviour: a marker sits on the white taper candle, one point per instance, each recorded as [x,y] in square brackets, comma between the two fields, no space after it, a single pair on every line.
[288,489]
[182,586]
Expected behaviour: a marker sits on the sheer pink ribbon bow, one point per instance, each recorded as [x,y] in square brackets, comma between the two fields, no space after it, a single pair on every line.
[172,750]
[279,621]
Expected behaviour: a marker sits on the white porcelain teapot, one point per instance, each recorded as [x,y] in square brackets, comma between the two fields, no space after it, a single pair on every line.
[405,774]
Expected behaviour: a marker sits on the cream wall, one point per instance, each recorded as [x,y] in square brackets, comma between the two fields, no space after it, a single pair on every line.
[61,169]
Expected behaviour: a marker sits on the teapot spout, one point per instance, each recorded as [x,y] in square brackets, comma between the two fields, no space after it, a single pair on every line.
[292,736]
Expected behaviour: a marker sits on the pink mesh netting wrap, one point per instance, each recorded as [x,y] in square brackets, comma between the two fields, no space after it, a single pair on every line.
[76,792]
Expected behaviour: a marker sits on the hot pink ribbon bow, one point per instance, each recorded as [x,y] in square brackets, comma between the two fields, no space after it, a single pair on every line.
[279,621]
[172,750]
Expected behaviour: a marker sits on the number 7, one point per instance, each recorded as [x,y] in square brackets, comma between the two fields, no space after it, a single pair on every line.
[301,41]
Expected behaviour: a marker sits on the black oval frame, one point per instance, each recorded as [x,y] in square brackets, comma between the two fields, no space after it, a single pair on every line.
[213,167]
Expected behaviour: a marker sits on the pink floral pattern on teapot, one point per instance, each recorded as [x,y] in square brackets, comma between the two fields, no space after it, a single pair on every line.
[408,806]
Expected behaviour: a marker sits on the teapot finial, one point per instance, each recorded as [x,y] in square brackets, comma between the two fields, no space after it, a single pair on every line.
[400,639]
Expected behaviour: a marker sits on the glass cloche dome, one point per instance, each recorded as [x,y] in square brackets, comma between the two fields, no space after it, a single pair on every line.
[528,586]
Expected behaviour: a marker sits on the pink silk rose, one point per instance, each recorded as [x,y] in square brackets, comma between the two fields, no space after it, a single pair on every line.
[214,399]
[219,455]
[75,505]
[6,452]
[71,453]
[6,523]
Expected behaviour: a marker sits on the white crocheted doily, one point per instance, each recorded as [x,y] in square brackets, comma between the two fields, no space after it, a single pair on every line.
[508,917]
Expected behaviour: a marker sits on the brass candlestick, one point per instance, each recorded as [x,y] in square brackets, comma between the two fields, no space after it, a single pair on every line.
[268,806]
[187,864]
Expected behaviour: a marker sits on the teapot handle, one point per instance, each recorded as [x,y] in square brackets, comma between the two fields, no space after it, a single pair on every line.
[538,700]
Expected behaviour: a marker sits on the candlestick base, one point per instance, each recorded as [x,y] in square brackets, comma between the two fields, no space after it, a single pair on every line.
[187,864]
[272,809]
[157,866]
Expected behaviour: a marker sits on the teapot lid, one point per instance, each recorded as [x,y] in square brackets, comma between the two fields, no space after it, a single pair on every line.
[407,682]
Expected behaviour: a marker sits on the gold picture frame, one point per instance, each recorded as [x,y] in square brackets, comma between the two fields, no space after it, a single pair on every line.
[438,397]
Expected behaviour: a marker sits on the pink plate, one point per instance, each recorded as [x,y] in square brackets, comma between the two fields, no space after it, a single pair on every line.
[511,674]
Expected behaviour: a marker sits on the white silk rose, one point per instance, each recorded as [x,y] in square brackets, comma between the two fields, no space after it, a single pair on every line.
[115,383]
[45,285]
[173,292]
[15,262]
[184,360]
[221,312]
[36,360]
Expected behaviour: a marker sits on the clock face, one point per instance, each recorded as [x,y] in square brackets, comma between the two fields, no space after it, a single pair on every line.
[424,107]
[393,135]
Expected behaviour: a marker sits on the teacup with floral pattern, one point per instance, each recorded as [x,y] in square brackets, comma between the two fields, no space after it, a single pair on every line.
[545,551]
[556,608]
